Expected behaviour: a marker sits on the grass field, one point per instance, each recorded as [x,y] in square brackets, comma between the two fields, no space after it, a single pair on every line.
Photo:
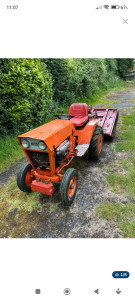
[10,151]
[122,214]
[16,210]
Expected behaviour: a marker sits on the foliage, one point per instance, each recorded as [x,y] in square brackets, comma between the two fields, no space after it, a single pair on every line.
[60,71]
[90,76]
[25,93]
[32,90]
[123,65]
[81,78]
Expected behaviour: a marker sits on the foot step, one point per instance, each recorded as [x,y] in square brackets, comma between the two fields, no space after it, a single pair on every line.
[82,149]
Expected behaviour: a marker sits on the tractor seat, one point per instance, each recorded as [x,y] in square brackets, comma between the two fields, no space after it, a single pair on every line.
[80,113]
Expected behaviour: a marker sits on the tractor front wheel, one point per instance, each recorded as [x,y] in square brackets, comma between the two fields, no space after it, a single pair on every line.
[68,186]
[96,144]
[24,178]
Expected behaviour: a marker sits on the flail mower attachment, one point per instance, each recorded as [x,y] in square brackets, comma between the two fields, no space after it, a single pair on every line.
[108,118]
[51,147]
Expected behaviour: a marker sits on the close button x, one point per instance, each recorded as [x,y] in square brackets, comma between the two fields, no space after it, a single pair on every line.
[125,21]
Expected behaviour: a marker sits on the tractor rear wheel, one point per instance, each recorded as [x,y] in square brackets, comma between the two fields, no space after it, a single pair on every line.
[24,178]
[96,144]
[68,186]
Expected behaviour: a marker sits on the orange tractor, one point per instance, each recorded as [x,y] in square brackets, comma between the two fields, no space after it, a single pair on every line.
[51,147]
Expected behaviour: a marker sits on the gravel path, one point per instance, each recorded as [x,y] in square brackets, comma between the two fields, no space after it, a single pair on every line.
[79,220]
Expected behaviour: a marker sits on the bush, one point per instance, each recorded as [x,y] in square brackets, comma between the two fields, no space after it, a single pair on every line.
[123,64]
[60,73]
[25,93]
[89,76]
[28,86]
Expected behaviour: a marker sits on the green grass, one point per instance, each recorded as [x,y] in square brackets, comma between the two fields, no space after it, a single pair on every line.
[123,215]
[53,208]
[10,151]
[127,136]
[123,183]
[129,120]
[125,146]
[115,211]
[18,210]
[17,199]
[128,229]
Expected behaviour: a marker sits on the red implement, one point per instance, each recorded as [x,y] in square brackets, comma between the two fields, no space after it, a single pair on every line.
[108,118]
[41,187]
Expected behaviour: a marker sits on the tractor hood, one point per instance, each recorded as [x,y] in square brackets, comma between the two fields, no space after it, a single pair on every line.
[52,133]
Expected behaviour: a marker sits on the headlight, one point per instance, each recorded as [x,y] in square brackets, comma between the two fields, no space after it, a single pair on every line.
[25,143]
[42,145]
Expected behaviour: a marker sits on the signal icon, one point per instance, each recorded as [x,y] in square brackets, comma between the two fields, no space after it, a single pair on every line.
[106,6]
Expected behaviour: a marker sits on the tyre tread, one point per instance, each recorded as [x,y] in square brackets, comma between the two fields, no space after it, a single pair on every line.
[65,183]
[94,143]
[21,178]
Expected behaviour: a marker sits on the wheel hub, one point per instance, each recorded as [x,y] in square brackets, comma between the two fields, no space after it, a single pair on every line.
[72,186]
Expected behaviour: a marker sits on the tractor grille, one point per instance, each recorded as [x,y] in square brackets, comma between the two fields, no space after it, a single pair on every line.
[40,159]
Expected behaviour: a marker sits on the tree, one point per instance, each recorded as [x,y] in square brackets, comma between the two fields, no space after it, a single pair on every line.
[123,65]
[60,73]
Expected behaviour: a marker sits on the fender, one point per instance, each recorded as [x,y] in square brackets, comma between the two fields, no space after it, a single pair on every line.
[85,134]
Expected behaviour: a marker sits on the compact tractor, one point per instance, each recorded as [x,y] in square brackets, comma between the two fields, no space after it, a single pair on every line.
[52,146]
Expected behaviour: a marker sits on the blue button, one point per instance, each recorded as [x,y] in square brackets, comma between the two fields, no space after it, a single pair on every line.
[120,274]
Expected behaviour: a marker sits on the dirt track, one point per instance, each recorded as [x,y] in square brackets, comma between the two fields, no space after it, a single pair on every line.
[79,220]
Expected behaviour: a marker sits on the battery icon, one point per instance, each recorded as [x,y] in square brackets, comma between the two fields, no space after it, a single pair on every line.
[115,6]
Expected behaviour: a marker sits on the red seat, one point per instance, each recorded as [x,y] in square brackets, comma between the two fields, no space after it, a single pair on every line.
[80,111]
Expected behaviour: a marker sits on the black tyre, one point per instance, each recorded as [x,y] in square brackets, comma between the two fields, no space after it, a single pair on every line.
[24,178]
[96,144]
[68,186]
